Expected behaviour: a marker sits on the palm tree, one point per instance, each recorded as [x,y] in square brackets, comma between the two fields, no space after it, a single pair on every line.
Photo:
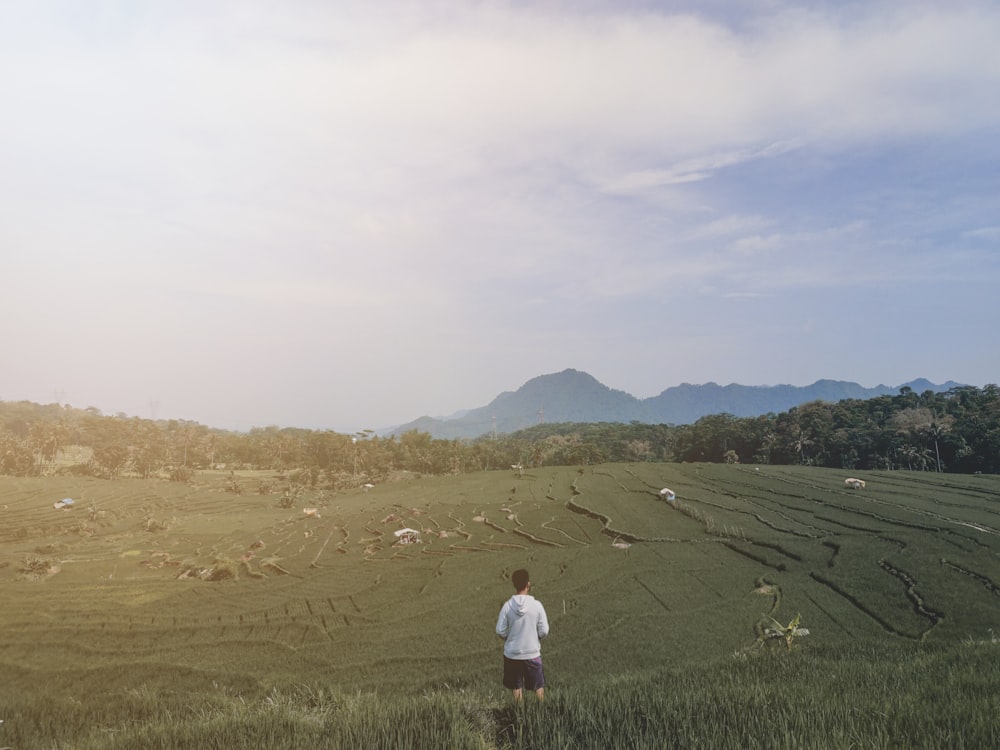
[800,440]
[937,430]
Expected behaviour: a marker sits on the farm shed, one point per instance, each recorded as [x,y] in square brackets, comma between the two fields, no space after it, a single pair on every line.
[407,536]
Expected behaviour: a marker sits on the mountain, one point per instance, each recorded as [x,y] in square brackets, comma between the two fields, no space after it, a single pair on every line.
[574,396]
[687,403]
[568,396]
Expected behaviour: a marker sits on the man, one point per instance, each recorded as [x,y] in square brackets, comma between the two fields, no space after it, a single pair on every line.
[522,624]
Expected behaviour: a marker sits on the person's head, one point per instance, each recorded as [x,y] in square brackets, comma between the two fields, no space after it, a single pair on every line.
[521,579]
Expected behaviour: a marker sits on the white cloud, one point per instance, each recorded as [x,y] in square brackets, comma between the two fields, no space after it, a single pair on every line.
[691,170]
[728,226]
[990,234]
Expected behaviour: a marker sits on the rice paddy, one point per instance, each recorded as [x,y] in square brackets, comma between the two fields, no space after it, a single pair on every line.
[176,615]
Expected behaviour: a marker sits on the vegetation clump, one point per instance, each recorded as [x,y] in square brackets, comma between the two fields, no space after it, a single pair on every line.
[151,524]
[35,568]
[788,632]
[222,569]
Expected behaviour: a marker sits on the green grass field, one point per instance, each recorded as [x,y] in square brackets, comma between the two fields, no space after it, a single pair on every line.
[157,614]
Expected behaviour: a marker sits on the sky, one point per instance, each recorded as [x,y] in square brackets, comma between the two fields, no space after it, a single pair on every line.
[347,215]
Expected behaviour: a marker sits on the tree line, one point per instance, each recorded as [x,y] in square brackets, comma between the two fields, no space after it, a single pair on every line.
[956,431]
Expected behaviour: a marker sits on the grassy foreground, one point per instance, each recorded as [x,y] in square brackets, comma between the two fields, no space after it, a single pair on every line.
[865,697]
[176,616]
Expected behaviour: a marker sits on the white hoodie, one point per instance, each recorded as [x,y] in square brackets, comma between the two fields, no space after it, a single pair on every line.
[522,624]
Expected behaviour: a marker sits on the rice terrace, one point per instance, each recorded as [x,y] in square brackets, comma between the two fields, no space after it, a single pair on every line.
[167,614]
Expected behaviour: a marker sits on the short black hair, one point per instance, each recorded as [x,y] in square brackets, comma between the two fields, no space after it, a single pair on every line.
[520,579]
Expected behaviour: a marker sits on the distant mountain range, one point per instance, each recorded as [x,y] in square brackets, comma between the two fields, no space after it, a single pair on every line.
[574,396]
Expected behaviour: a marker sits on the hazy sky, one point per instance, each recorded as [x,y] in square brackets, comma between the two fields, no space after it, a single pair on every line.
[347,215]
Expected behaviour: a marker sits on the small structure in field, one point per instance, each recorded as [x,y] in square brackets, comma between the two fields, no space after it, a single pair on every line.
[66,502]
[668,494]
[407,536]
[311,512]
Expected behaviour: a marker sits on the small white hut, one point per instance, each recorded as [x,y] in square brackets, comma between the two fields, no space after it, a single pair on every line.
[407,536]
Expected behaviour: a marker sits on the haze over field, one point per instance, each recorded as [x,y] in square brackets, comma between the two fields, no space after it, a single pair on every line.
[348,215]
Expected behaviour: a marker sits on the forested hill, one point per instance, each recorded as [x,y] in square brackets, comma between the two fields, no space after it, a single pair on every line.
[955,431]
[574,396]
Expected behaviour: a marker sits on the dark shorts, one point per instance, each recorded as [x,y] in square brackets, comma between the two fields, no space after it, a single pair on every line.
[523,673]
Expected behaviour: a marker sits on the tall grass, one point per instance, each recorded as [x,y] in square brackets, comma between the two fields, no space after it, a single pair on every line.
[296,716]
[872,695]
